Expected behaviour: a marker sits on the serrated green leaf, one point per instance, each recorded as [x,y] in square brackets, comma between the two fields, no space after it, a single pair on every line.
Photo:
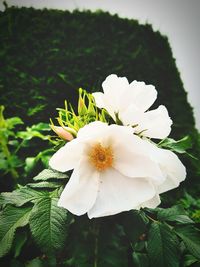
[20,196]
[49,174]
[16,263]
[45,184]
[34,263]
[11,122]
[191,238]
[174,214]
[140,259]
[48,225]
[139,246]
[30,163]
[162,246]
[189,260]
[133,225]
[179,146]
[41,126]
[111,250]
[34,110]
[11,218]
[19,241]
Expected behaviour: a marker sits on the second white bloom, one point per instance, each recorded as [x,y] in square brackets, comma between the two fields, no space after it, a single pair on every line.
[130,102]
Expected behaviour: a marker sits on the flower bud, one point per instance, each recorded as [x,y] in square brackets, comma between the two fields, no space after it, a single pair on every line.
[63,133]
[82,109]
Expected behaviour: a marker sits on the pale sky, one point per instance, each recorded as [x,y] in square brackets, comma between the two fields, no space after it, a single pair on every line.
[178,19]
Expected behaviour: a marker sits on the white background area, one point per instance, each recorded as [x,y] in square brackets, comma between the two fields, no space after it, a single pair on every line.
[178,19]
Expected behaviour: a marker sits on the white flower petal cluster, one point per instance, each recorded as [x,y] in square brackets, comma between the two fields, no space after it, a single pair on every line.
[114,170]
[130,102]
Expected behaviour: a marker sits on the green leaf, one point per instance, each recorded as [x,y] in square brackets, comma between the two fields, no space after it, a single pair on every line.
[11,122]
[3,162]
[16,263]
[111,250]
[191,238]
[162,246]
[41,126]
[35,131]
[62,76]
[10,219]
[140,259]
[19,241]
[34,263]
[45,184]
[34,110]
[133,225]
[189,260]
[174,214]
[30,133]
[48,225]
[49,174]
[20,196]
[30,163]
[179,146]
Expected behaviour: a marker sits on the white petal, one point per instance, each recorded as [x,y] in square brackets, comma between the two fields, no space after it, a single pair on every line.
[123,136]
[136,165]
[141,95]
[131,155]
[114,91]
[80,192]
[114,85]
[119,193]
[131,116]
[170,165]
[173,167]
[99,99]
[66,157]
[155,123]
[92,130]
[152,203]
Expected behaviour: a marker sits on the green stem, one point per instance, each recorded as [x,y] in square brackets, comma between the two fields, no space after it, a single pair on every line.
[151,219]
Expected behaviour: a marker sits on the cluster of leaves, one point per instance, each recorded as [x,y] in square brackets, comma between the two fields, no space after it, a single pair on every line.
[165,237]
[34,204]
[15,146]
[192,205]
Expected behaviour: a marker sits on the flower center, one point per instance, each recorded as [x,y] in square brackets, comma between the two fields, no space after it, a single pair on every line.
[101,157]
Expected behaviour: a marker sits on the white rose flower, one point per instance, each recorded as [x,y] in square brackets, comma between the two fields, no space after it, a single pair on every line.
[130,102]
[113,171]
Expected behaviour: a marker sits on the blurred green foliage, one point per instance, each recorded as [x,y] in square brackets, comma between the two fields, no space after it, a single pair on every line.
[23,151]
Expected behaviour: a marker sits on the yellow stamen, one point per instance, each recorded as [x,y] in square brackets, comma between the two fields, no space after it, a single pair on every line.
[101,157]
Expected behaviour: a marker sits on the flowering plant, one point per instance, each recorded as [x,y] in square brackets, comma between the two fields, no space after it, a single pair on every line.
[116,167]
[113,157]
